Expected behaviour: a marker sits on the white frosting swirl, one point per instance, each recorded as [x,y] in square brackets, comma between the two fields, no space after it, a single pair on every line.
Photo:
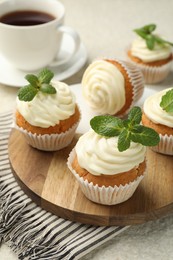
[154,112]
[100,155]
[139,49]
[47,110]
[103,87]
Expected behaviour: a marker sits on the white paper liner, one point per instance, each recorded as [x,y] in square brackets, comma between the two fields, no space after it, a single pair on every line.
[49,142]
[136,79]
[165,145]
[104,195]
[153,74]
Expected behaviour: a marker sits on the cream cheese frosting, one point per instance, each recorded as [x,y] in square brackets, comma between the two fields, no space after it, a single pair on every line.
[100,155]
[47,110]
[154,112]
[139,49]
[103,87]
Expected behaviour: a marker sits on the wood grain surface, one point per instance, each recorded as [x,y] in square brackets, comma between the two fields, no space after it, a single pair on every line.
[45,178]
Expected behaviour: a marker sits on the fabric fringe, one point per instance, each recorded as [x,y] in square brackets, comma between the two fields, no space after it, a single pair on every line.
[9,214]
[33,233]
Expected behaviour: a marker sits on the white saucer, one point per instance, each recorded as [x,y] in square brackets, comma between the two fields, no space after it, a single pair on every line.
[13,77]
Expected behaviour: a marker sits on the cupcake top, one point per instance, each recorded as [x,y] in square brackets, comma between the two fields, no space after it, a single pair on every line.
[103,87]
[100,155]
[140,50]
[114,145]
[47,107]
[155,112]
[150,47]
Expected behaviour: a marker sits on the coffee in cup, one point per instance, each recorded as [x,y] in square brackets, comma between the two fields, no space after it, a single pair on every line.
[31,33]
[26,18]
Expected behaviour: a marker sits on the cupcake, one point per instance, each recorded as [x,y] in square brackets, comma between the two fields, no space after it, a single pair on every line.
[46,112]
[109,160]
[158,114]
[112,86]
[150,53]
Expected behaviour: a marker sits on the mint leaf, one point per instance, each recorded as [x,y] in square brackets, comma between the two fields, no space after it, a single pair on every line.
[167,101]
[45,76]
[27,93]
[161,41]
[126,123]
[47,88]
[145,32]
[141,33]
[127,130]
[124,140]
[40,83]
[170,43]
[135,115]
[144,135]
[149,28]
[106,125]
[150,41]
[32,79]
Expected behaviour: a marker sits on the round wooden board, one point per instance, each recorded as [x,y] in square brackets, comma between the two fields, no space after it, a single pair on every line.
[44,176]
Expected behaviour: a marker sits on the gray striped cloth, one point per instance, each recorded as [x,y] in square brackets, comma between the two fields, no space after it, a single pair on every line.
[32,232]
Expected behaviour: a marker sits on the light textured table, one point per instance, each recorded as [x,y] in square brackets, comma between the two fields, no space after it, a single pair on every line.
[105,27]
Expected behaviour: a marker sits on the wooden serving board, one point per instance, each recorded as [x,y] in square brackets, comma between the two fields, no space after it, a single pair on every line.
[44,177]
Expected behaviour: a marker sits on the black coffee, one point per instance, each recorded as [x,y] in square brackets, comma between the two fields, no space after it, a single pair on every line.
[26,18]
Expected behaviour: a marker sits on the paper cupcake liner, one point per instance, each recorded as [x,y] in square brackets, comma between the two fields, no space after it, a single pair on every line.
[104,195]
[49,142]
[165,145]
[153,74]
[136,79]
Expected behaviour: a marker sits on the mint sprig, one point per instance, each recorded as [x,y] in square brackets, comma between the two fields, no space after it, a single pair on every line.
[127,130]
[36,84]
[146,32]
[167,101]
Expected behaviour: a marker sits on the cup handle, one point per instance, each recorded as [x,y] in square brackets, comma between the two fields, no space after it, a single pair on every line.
[76,39]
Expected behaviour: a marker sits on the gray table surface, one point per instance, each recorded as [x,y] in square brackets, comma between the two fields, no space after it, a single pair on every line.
[106,28]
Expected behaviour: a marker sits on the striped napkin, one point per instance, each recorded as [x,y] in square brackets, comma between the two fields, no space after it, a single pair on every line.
[34,233]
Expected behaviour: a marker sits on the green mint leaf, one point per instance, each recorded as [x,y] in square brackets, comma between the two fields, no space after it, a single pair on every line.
[27,93]
[159,40]
[149,28]
[45,76]
[167,101]
[40,83]
[145,30]
[146,33]
[127,130]
[162,41]
[124,140]
[170,43]
[135,115]
[107,125]
[32,79]
[150,41]
[126,123]
[47,88]
[141,33]
[144,135]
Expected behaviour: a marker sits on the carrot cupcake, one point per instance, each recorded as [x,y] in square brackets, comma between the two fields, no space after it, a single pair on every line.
[46,112]
[109,160]
[151,54]
[158,114]
[112,86]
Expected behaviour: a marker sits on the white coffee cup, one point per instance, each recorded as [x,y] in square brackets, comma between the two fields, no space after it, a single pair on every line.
[35,46]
